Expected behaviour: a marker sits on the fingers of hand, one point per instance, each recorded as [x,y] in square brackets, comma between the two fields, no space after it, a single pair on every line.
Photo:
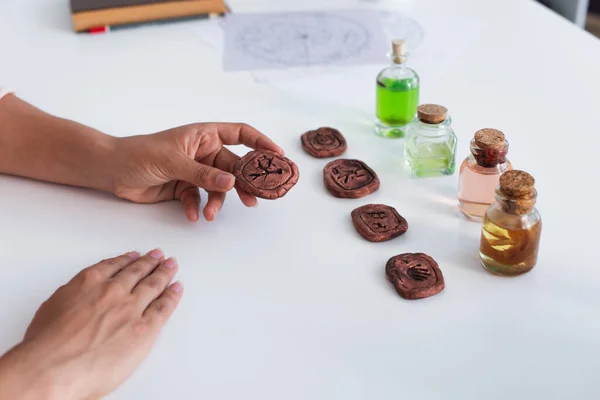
[149,288]
[226,159]
[214,205]
[231,134]
[190,200]
[159,311]
[208,178]
[138,270]
[107,268]
[249,200]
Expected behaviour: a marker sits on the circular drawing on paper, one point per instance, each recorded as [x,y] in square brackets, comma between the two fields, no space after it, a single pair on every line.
[311,39]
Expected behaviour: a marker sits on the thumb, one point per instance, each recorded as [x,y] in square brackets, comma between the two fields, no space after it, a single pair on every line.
[208,178]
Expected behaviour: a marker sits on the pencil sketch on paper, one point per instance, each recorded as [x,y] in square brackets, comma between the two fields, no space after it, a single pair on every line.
[311,39]
[303,39]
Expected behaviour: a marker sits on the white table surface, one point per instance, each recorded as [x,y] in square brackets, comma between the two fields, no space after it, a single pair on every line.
[286,301]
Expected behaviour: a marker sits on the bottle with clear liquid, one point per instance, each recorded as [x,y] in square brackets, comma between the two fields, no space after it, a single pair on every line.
[397,94]
[512,227]
[480,172]
[430,148]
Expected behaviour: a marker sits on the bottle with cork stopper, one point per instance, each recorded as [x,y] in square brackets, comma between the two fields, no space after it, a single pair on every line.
[397,94]
[480,172]
[430,148]
[512,227]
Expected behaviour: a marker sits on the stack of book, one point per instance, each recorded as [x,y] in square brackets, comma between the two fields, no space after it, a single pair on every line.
[101,15]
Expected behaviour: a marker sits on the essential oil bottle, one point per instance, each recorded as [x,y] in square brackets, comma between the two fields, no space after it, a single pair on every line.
[430,148]
[397,94]
[480,172]
[512,227]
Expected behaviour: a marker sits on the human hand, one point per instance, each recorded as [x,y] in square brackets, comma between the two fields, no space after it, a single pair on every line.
[93,332]
[173,164]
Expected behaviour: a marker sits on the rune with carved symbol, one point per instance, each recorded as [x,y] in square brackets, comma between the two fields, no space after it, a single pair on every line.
[265,174]
[324,142]
[350,179]
[378,222]
[415,275]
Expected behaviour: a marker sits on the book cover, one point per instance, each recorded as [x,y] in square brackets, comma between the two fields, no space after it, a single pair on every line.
[150,11]
[91,5]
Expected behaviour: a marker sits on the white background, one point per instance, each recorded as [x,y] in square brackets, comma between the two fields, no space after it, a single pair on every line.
[287,301]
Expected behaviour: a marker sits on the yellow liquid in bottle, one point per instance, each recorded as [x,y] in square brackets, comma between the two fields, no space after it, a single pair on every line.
[509,252]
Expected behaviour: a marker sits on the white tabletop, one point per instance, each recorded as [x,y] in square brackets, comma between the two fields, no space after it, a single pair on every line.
[286,301]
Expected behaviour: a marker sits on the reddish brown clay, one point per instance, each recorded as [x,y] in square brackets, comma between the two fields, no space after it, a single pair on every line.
[324,142]
[378,222]
[414,275]
[350,179]
[265,174]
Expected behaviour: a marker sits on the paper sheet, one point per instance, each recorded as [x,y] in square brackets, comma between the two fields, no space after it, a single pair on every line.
[434,41]
[286,40]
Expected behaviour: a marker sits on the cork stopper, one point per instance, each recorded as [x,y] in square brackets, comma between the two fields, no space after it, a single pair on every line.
[517,184]
[398,50]
[488,138]
[432,113]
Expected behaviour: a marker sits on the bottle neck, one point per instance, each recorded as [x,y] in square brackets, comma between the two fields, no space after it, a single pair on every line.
[398,62]
[520,206]
[432,130]
[488,158]
[397,65]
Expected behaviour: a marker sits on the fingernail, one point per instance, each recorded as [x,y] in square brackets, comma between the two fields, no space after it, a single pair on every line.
[177,287]
[255,204]
[133,254]
[157,254]
[192,216]
[210,213]
[224,181]
[171,263]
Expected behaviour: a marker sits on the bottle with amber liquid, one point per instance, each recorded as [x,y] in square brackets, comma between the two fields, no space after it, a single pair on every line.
[512,226]
[480,172]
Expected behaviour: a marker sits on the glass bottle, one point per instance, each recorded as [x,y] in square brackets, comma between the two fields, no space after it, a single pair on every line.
[480,172]
[512,227]
[430,148]
[397,94]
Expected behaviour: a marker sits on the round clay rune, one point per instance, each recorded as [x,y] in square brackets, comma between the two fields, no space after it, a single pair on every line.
[350,179]
[324,142]
[414,275]
[265,174]
[378,222]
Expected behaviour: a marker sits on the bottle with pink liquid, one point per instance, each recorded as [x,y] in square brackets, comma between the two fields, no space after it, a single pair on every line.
[480,172]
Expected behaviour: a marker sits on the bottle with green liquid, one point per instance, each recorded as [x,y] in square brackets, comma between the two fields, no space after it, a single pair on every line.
[430,148]
[397,94]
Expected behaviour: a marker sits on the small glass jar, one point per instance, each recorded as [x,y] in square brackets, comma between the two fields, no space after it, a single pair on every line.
[480,172]
[397,94]
[512,227]
[430,148]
